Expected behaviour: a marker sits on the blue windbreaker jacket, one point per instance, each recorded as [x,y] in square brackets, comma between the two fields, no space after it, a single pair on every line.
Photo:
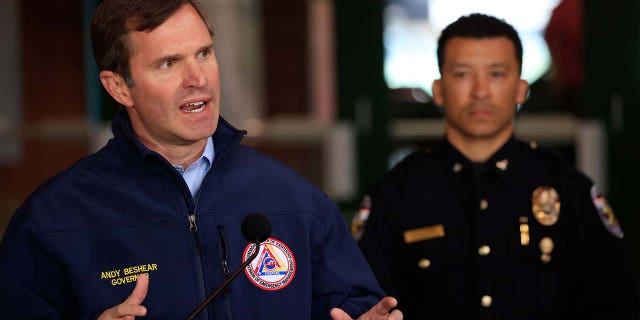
[75,247]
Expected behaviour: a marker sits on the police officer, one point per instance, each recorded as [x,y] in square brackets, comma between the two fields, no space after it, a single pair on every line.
[484,226]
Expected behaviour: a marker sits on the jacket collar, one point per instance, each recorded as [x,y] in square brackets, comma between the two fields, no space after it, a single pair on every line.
[224,138]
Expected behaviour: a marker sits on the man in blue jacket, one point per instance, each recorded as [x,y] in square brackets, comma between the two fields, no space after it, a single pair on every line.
[148,226]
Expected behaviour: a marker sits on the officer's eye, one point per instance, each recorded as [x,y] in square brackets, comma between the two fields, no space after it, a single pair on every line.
[498,74]
[460,74]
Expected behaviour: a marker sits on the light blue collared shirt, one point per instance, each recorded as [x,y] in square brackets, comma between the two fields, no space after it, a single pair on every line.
[195,173]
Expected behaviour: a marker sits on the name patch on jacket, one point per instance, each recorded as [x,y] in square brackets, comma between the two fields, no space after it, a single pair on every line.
[426,233]
[273,268]
[126,275]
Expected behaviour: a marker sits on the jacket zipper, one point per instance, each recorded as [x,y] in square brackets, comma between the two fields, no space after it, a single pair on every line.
[223,241]
[223,252]
[193,227]
[225,271]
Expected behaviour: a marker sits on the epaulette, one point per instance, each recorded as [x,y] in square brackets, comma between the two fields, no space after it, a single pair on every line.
[552,155]
[565,170]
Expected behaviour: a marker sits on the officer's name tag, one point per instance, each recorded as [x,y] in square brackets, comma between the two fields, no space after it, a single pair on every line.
[426,233]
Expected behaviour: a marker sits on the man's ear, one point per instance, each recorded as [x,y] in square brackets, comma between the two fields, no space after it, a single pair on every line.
[523,92]
[117,87]
[436,90]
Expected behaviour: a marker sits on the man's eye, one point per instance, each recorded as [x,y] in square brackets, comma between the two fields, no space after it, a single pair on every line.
[205,53]
[497,74]
[167,64]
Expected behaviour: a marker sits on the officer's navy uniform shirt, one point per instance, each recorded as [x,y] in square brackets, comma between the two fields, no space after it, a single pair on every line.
[456,240]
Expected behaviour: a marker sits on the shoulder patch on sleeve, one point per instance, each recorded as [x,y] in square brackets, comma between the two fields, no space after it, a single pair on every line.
[606,213]
[360,218]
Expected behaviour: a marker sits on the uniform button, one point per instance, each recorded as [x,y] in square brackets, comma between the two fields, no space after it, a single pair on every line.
[486,301]
[484,250]
[424,263]
[484,204]
[502,164]
[457,167]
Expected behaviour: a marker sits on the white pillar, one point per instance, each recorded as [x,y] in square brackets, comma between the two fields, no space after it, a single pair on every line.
[238,48]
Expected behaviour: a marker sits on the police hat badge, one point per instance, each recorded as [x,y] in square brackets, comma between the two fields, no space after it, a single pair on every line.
[545,204]
[606,213]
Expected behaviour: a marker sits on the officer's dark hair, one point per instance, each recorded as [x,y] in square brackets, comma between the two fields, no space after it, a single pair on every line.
[115,19]
[479,26]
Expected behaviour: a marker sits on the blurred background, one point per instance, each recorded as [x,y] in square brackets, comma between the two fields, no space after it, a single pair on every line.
[337,89]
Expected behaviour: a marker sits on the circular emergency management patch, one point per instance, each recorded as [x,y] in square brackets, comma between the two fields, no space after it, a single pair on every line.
[273,268]
[606,213]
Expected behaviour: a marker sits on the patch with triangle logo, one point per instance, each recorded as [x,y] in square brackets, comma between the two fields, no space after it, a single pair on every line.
[273,268]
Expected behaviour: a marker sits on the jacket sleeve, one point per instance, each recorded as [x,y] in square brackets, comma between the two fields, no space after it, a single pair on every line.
[342,277]
[32,284]
[603,284]
[379,246]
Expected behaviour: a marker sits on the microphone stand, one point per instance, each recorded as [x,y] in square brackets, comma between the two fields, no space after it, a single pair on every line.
[226,282]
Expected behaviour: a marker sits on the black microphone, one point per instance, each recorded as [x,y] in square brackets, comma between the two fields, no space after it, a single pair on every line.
[255,228]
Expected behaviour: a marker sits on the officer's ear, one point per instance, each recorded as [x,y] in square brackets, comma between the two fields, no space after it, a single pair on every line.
[436,89]
[117,87]
[523,92]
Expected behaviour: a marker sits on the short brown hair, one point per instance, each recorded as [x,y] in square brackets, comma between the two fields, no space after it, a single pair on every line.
[113,21]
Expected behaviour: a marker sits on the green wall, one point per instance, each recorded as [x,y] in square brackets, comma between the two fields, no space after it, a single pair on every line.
[612,94]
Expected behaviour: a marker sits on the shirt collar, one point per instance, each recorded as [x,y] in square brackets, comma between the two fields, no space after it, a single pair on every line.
[500,162]
[209,152]
[207,157]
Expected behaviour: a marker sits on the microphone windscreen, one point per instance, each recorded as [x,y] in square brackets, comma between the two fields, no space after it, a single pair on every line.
[256,226]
